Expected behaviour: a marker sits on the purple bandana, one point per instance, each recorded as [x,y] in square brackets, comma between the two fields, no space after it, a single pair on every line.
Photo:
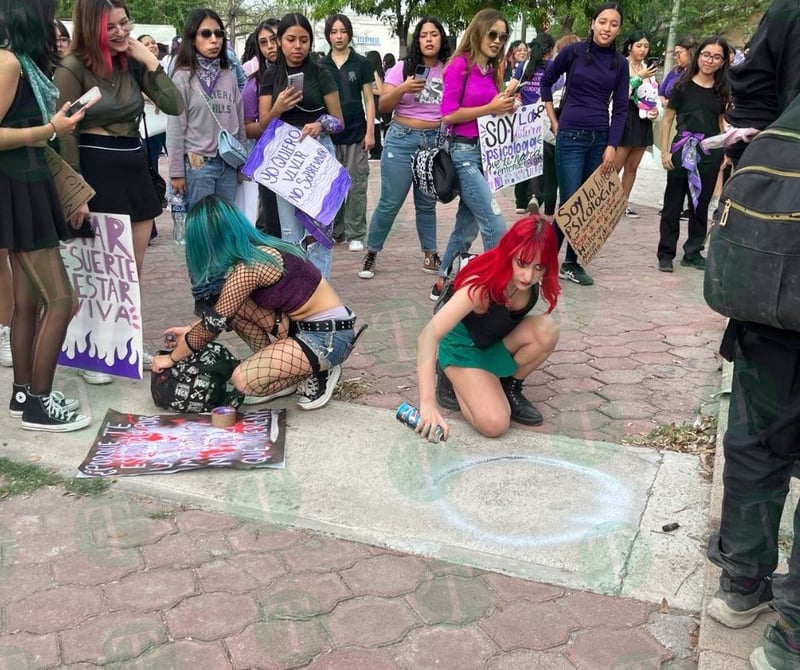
[208,73]
[689,160]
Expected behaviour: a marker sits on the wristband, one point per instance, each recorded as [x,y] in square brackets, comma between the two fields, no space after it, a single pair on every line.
[55,132]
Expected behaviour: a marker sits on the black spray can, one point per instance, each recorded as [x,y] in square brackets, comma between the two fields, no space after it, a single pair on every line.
[409,416]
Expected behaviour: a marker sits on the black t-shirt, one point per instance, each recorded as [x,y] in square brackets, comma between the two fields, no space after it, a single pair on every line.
[317,83]
[351,77]
[697,110]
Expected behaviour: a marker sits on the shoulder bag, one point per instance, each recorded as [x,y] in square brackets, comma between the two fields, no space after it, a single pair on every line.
[230,149]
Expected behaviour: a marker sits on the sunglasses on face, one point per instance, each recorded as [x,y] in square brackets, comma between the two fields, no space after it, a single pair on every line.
[205,33]
[493,35]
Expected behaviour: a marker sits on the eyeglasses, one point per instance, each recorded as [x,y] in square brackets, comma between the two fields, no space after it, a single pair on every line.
[205,33]
[678,51]
[125,26]
[716,58]
[265,41]
[62,39]
[493,35]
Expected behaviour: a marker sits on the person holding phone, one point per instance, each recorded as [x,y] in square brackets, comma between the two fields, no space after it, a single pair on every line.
[638,133]
[32,222]
[473,87]
[105,148]
[413,90]
[312,106]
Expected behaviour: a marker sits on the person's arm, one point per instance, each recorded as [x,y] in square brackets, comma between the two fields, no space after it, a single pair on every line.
[442,323]
[269,110]
[455,79]
[239,103]
[369,112]
[70,88]
[176,132]
[155,83]
[666,124]
[619,112]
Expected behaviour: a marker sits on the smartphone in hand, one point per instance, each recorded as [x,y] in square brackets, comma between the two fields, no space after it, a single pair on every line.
[421,72]
[84,102]
[296,81]
[652,61]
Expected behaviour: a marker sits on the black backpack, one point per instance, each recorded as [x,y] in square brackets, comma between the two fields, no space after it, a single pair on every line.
[753,259]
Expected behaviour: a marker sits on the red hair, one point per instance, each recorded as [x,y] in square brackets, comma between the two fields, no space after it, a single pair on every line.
[491,271]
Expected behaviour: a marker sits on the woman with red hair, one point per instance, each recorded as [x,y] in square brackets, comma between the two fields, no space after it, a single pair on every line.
[482,343]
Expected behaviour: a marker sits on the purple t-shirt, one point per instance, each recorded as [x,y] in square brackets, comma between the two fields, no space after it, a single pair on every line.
[425,104]
[530,91]
[480,90]
[250,98]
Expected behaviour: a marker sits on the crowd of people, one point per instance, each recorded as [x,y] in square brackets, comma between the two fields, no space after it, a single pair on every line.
[265,277]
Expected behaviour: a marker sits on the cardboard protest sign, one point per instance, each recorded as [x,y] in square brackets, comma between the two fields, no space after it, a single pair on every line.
[590,215]
[132,444]
[106,333]
[511,146]
[73,191]
[304,173]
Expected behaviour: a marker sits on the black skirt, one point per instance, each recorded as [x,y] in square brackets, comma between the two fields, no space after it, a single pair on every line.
[116,168]
[638,132]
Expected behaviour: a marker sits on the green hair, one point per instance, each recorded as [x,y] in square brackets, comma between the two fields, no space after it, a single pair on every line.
[219,236]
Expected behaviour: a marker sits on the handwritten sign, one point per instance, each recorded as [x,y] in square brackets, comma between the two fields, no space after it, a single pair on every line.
[511,146]
[72,190]
[304,173]
[591,214]
[131,444]
[106,333]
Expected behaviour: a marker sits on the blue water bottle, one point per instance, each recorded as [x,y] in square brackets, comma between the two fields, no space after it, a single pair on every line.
[178,209]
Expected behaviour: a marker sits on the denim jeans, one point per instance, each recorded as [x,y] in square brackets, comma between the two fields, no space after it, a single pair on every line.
[478,209]
[214,177]
[578,154]
[293,230]
[399,145]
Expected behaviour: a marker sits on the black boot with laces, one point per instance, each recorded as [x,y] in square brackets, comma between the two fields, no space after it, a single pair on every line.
[522,409]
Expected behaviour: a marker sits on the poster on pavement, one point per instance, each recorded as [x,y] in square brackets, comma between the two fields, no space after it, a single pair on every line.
[304,173]
[589,217]
[133,444]
[511,146]
[106,333]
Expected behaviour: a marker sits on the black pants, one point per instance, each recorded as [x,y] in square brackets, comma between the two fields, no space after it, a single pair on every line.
[544,187]
[268,221]
[762,444]
[676,190]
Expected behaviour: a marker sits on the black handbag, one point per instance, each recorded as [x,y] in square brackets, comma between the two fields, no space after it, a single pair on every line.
[432,168]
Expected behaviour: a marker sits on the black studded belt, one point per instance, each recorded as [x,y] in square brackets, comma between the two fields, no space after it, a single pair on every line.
[326,326]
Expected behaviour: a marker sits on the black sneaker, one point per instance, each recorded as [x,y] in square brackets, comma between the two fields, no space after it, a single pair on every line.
[575,273]
[737,603]
[367,271]
[19,395]
[697,262]
[685,214]
[522,409]
[779,650]
[318,389]
[43,412]
[436,289]
[445,394]
[665,265]
[631,214]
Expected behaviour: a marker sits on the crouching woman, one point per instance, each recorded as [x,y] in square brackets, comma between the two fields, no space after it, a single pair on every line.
[273,297]
[482,343]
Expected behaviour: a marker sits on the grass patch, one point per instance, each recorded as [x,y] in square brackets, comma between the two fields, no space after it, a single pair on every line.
[22,478]
[161,515]
[351,389]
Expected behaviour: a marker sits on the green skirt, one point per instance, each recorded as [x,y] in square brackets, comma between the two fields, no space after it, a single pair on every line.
[457,348]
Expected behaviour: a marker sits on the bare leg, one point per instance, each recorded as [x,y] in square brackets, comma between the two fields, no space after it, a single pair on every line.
[141,237]
[630,167]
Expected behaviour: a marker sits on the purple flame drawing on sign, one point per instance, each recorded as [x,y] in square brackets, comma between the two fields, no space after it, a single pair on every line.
[126,365]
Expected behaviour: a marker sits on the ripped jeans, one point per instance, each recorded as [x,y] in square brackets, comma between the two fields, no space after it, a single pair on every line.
[478,209]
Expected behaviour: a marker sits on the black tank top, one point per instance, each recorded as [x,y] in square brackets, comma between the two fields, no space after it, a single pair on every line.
[499,321]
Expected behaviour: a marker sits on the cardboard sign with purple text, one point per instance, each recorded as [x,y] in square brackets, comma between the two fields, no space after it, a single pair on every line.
[106,333]
[133,444]
[304,173]
[589,217]
[511,146]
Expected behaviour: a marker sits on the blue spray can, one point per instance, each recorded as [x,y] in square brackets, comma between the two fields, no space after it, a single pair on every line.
[409,415]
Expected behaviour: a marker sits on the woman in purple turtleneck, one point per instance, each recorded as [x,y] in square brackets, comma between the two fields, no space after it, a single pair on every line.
[585,138]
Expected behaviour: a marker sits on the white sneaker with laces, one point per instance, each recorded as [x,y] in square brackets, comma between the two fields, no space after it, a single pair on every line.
[5,347]
[356,245]
[319,388]
[95,378]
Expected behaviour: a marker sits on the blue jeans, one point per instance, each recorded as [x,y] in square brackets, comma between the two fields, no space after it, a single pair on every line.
[214,177]
[399,145]
[293,230]
[478,209]
[578,154]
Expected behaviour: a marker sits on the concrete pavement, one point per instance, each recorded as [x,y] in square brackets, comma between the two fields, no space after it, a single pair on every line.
[566,504]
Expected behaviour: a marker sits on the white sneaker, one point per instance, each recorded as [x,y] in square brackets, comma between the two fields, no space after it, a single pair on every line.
[356,245]
[95,378]
[5,347]
[259,399]
[147,361]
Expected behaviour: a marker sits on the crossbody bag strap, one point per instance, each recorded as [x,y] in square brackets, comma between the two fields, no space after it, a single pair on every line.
[448,130]
[567,78]
[208,104]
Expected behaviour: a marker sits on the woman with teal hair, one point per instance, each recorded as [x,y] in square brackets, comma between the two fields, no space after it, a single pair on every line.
[273,297]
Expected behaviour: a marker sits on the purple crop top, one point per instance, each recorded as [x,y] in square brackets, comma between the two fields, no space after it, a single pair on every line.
[294,289]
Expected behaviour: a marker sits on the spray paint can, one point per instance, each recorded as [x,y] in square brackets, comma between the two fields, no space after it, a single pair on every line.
[408,415]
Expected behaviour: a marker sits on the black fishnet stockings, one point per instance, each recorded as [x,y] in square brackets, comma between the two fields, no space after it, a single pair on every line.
[43,307]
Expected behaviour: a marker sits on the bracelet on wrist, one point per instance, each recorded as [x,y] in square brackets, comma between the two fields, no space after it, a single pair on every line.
[169,355]
[55,132]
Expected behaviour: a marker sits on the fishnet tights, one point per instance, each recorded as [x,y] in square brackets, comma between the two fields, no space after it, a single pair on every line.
[43,307]
[278,361]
